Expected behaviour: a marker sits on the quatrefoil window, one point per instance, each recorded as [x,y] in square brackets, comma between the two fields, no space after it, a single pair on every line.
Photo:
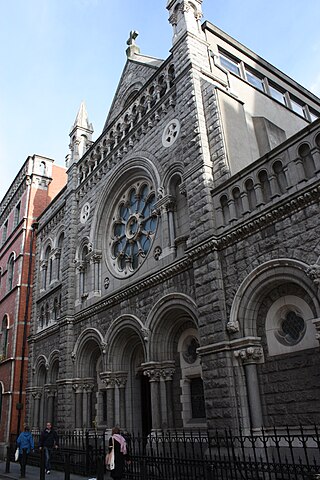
[133,228]
[292,328]
[85,212]
[170,133]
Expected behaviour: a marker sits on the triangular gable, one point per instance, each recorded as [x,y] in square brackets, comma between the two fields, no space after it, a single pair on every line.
[135,74]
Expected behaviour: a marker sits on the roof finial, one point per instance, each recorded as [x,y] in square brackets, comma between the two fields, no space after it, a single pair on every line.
[133,48]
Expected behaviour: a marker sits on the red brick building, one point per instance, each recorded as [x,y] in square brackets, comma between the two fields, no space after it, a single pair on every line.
[37,183]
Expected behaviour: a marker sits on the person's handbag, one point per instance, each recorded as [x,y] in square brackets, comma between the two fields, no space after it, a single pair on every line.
[16,455]
[110,458]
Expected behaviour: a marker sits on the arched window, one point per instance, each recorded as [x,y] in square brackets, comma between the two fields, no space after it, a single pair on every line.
[43,168]
[237,201]
[1,399]
[10,272]
[56,313]
[47,275]
[177,209]
[225,209]
[59,255]
[47,313]
[265,186]
[4,337]
[84,271]
[280,176]
[307,160]
[252,199]
[41,318]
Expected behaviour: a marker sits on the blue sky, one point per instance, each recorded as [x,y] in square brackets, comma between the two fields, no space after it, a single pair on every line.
[56,53]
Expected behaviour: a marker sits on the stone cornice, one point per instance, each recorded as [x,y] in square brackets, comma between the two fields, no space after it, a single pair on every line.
[136,288]
[232,345]
[16,189]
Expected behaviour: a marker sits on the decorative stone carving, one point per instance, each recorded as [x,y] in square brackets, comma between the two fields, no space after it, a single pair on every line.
[313,272]
[233,327]
[250,355]
[85,212]
[106,283]
[157,252]
[171,133]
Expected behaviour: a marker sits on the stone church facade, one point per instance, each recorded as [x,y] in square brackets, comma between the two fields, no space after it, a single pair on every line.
[176,281]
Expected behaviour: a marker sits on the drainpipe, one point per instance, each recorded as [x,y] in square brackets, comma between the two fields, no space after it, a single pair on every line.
[19,405]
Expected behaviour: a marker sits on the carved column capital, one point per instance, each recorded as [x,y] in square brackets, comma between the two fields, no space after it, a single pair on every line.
[121,379]
[250,355]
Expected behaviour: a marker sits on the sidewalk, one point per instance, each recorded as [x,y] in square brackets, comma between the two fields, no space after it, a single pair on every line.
[33,473]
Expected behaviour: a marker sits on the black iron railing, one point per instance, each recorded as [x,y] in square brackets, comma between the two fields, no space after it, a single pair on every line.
[286,454]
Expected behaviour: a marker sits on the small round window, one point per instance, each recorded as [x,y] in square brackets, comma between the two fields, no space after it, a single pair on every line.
[133,228]
[292,328]
[190,346]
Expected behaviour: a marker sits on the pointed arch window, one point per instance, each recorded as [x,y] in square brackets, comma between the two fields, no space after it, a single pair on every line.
[1,397]
[4,337]
[10,273]
[59,255]
[47,268]
[84,267]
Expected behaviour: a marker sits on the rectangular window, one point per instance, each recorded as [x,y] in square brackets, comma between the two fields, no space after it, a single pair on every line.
[277,94]
[197,398]
[230,64]
[313,116]
[297,107]
[255,80]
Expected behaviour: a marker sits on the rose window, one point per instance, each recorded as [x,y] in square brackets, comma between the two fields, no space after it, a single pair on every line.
[133,228]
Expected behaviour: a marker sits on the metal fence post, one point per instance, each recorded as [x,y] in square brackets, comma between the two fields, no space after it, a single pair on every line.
[42,465]
[100,467]
[8,460]
[67,467]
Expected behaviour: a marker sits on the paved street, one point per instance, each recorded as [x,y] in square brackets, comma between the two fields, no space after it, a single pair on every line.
[33,473]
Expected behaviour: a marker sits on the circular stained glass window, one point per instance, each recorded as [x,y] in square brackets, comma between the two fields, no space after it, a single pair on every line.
[133,228]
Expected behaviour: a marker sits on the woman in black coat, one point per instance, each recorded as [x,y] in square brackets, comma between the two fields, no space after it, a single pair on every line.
[118,444]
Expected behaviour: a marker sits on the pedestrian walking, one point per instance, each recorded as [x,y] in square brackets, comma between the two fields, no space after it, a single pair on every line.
[48,442]
[117,455]
[25,443]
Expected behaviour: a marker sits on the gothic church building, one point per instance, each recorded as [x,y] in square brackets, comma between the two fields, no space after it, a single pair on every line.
[177,273]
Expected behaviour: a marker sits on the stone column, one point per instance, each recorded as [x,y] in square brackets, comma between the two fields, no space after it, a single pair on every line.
[259,195]
[245,203]
[170,207]
[109,380]
[154,375]
[36,409]
[121,380]
[57,256]
[249,357]
[167,374]
[95,259]
[87,404]
[50,394]
[78,405]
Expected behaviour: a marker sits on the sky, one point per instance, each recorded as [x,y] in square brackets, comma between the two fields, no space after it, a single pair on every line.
[56,53]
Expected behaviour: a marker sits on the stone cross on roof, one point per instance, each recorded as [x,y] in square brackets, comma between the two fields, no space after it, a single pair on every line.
[133,48]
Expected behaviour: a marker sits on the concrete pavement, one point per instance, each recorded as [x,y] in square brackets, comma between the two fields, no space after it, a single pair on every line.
[33,473]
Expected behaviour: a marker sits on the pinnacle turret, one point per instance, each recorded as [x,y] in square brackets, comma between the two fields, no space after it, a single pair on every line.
[80,135]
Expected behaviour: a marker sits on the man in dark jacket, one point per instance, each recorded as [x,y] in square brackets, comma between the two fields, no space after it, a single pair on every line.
[48,441]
